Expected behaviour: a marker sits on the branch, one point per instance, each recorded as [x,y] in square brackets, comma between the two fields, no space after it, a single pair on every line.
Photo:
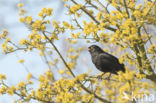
[151,77]
[93,18]
[142,49]
[149,38]
[151,7]
[24,97]
[105,8]
[126,7]
[86,89]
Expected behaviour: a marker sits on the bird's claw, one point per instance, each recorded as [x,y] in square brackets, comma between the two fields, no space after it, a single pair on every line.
[100,77]
[107,78]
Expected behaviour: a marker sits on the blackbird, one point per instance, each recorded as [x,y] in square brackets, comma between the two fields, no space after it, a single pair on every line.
[104,61]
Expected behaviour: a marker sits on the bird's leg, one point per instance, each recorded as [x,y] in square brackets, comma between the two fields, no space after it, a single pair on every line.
[100,76]
[109,76]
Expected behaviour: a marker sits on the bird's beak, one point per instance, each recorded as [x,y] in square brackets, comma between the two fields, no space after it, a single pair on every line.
[89,48]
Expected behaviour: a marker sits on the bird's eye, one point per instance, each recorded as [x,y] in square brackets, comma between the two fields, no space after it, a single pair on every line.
[91,48]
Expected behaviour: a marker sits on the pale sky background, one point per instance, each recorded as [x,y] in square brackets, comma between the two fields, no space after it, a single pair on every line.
[9,20]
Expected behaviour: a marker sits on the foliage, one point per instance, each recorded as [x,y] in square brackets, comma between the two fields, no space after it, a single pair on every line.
[121,23]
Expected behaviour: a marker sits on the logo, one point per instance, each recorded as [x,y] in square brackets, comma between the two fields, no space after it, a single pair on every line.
[139,97]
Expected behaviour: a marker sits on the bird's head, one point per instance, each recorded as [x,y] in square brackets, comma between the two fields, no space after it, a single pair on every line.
[94,49]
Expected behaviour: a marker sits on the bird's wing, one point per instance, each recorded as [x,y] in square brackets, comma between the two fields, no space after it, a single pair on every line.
[109,62]
[115,61]
[103,63]
[108,57]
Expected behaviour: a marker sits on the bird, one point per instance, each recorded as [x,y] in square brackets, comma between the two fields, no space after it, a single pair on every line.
[104,61]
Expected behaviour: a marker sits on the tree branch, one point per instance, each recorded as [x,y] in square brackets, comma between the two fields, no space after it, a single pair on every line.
[126,7]
[93,18]
[86,89]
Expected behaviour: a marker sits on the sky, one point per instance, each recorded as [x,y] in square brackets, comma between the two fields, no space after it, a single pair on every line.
[35,64]
[9,19]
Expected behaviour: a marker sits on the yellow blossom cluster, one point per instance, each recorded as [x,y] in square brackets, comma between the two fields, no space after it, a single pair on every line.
[75,8]
[72,57]
[7,44]
[125,83]
[67,25]
[72,41]
[90,28]
[76,35]
[21,61]
[34,40]
[2,77]
[63,90]
[4,34]
[58,29]
[45,11]
[22,11]
[38,24]
[73,54]
[152,48]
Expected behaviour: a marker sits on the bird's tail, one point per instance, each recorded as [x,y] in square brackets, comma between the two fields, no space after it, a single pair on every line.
[122,67]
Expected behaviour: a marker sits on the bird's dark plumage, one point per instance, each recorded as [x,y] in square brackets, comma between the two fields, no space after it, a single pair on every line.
[105,62]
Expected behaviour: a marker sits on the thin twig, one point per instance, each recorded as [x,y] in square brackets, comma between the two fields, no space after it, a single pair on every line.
[126,7]
[92,17]
[86,89]
[105,8]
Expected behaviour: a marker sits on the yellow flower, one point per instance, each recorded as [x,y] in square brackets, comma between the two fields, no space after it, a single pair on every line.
[41,78]
[99,15]
[121,60]
[109,92]
[4,46]
[65,5]
[32,93]
[23,41]
[152,48]
[7,39]
[137,13]
[29,76]
[146,85]
[2,77]
[81,77]
[75,8]
[21,61]
[28,19]
[44,10]
[49,11]
[21,85]
[64,0]
[41,14]
[91,11]
[21,19]
[61,71]
[20,5]
[112,40]
[66,24]
[71,65]
[139,6]
[41,53]
[49,75]
[3,90]
[43,27]
[71,50]
[11,90]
